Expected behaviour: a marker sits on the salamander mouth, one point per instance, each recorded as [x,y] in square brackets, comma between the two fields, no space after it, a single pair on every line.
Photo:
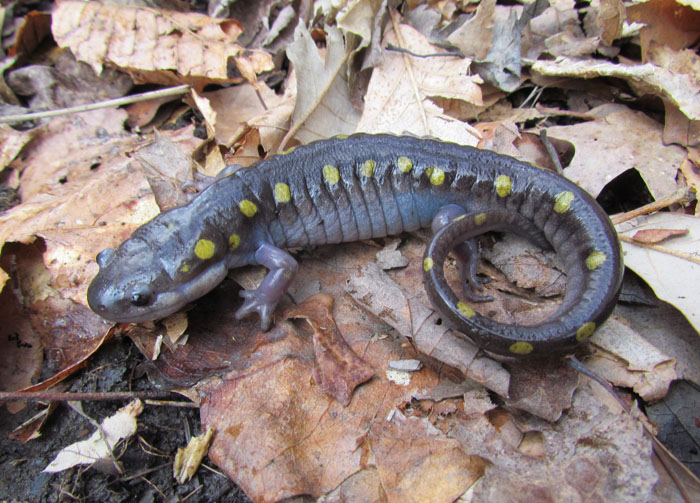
[165,303]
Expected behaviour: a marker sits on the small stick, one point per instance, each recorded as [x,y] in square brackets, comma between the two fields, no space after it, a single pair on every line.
[57,396]
[172,91]
[683,195]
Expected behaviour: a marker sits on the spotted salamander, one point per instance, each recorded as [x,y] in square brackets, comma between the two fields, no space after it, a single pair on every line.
[362,187]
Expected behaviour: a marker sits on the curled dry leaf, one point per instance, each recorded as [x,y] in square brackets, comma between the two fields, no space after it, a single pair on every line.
[99,447]
[679,88]
[188,459]
[166,47]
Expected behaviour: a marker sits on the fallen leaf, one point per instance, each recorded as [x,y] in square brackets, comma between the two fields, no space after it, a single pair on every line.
[323,107]
[339,370]
[667,22]
[619,141]
[391,105]
[166,47]
[672,278]
[188,459]
[99,447]
[658,235]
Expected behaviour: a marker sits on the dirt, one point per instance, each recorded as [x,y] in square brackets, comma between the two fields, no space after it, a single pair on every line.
[146,461]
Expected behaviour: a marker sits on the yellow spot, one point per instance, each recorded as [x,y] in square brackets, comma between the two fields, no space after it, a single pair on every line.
[248,208]
[282,194]
[585,331]
[457,219]
[437,176]
[427,264]
[367,168]
[504,186]
[342,136]
[233,241]
[480,219]
[331,174]
[405,164]
[204,249]
[465,309]
[521,348]
[562,201]
[288,151]
[171,226]
[595,259]
[185,268]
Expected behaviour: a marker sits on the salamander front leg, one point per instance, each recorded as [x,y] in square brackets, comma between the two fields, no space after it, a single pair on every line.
[263,300]
[466,253]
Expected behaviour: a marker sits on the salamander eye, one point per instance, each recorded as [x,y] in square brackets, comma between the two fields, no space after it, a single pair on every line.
[141,297]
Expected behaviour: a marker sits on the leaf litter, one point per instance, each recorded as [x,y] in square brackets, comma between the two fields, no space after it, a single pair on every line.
[289,409]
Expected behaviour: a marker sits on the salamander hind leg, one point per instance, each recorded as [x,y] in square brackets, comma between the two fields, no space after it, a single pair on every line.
[466,253]
[263,300]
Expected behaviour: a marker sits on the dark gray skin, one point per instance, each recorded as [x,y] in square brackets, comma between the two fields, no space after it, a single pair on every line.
[362,187]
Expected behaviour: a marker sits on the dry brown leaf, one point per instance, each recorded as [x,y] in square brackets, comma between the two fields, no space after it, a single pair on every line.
[234,107]
[416,463]
[12,142]
[391,105]
[658,235]
[667,22]
[339,370]
[626,359]
[375,291]
[163,47]
[610,18]
[167,167]
[323,106]
[474,37]
[621,140]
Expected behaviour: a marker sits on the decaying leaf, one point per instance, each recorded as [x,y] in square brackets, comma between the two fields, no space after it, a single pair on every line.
[99,447]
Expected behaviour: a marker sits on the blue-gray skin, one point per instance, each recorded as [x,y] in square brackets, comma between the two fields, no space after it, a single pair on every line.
[362,187]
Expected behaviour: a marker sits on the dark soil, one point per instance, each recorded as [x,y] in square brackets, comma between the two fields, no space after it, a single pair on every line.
[146,461]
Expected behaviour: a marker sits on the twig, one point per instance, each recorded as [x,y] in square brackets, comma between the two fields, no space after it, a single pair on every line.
[172,91]
[56,396]
[683,195]
[662,249]
[392,47]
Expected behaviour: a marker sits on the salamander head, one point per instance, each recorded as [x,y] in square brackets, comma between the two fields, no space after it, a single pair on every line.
[155,273]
